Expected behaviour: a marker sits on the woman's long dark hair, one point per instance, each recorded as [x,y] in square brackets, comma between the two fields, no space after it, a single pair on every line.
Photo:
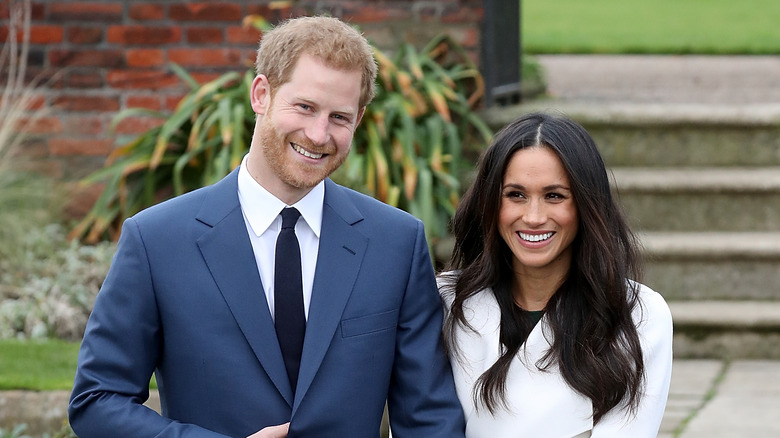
[595,342]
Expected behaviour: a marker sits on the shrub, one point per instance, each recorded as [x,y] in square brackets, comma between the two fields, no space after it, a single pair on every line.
[406,152]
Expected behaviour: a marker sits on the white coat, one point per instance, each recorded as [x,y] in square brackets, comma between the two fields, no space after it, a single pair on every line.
[541,404]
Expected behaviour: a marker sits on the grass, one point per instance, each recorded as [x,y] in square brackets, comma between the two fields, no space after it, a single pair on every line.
[651,27]
[40,365]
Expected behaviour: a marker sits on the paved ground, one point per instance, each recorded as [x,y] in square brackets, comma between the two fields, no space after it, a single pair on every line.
[708,398]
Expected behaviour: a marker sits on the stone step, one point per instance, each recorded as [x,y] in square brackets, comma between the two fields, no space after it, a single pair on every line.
[663,135]
[696,199]
[726,329]
[713,265]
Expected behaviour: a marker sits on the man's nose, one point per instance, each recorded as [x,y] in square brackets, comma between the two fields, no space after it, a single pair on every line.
[318,130]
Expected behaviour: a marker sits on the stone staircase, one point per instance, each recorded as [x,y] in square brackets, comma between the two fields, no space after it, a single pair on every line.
[700,183]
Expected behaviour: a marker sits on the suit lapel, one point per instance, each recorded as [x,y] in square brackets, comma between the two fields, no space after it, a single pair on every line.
[338,263]
[228,253]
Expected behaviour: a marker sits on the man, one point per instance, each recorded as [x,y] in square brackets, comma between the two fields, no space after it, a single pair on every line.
[194,294]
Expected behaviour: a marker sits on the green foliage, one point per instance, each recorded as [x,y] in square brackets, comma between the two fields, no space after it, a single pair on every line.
[643,27]
[19,430]
[205,137]
[49,284]
[407,151]
[410,147]
[16,432]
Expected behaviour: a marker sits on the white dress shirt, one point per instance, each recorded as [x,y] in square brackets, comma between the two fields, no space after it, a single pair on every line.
[261,212]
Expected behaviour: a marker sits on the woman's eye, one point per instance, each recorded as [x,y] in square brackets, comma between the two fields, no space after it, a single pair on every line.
[514,195]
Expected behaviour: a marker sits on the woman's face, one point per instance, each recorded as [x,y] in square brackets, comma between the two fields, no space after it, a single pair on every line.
[538,217]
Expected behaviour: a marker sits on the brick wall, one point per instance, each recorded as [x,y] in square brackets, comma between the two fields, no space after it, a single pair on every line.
[104,56]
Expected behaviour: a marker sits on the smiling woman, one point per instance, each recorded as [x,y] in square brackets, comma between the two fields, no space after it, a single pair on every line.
[539,231]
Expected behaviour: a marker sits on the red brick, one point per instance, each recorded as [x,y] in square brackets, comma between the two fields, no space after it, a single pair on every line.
[146,11]
[205,57]
[85,125]
[461,14]
[142,79]
[93,58]
[206,12]
[45,34]
[243,35]
[105,12]
[171,102]
[85,35]
[33,147]
[146,35]
[368,14]
[148,102]
[145,57]
[203,77]
[34,102]
[40,125]
[86,103]
[204,35]
[84,79]
[272,12]
[73,146]
[37,11]
[137,125]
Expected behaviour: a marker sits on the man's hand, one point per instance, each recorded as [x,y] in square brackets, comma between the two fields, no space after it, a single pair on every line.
[279,431]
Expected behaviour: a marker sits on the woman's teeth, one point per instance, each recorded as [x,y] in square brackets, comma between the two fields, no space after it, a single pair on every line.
[535,237]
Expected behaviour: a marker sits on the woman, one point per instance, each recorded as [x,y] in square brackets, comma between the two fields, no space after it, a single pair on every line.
[548,331]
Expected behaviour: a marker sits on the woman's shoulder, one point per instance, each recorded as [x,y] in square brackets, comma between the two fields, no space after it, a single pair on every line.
[652,306]
[478,305]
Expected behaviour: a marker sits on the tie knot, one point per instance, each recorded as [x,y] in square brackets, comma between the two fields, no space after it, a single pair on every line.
[290,216]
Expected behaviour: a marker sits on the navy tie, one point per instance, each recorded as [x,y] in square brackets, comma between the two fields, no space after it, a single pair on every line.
[289,317]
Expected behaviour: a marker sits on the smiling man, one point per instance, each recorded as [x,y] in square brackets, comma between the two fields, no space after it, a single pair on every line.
[275,302]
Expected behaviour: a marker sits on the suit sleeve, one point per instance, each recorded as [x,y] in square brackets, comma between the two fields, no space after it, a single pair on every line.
[655,335]
[422,399]
[119,353]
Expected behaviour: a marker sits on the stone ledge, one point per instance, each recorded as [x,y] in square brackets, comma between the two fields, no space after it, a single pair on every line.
[43,411]
[645,114]
[712,245]
[695,180]
[741,315]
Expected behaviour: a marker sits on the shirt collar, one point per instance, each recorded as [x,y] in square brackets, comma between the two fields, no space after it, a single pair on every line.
[261,207]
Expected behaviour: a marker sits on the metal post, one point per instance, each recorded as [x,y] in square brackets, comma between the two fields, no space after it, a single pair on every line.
[500,63]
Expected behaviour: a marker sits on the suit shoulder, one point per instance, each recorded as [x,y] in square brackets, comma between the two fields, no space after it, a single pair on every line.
[173,209]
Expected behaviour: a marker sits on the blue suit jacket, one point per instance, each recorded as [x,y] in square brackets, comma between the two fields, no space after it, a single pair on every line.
[183,299]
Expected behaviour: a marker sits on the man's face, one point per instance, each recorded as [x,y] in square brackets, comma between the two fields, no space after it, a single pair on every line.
[304,129]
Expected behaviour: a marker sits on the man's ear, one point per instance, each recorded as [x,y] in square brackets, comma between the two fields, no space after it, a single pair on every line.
[360,115]
[260,94]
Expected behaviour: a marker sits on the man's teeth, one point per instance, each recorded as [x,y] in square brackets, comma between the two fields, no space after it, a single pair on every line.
[535,237]
[306,153]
